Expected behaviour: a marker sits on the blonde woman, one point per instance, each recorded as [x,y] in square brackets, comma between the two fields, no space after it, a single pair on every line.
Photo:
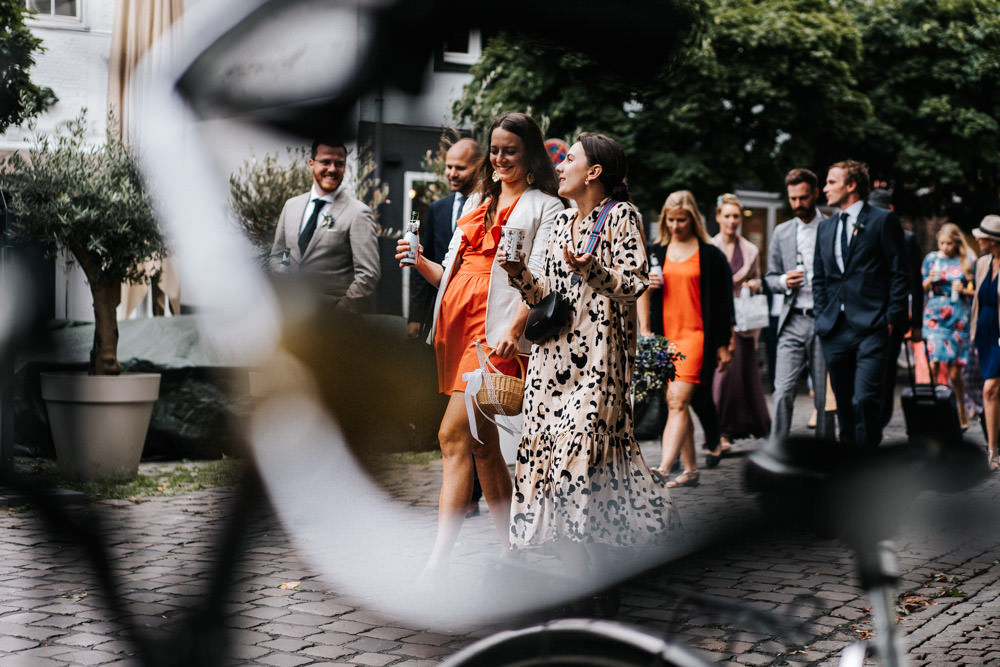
[947,281]
[692,306]
[736,390]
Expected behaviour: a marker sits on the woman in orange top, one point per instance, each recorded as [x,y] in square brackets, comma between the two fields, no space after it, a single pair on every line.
[696,314]
[474,303]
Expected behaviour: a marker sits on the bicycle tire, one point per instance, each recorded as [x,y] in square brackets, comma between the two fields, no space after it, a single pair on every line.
[583,642]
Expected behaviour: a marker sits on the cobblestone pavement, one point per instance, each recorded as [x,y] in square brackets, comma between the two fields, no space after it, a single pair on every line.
[281,614]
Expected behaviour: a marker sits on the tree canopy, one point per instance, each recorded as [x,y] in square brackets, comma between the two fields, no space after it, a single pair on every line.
[758,88]
[20,99]
[931,69]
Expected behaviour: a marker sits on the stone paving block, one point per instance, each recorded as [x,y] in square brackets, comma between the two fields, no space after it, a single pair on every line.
[18,660]
[94,657]
[371,644]
[11,644]
[325,609]
[308,620]
[373,659]
[422,650]
[350,627]
[326,651]
[288,630]
[285,645]
[82,639]
[388,632]
[265,613]
[283,660]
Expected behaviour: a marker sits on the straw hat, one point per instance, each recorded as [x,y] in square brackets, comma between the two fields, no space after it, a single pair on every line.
[989,228]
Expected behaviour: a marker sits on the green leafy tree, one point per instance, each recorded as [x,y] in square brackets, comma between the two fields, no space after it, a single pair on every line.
[259,189]
[91,201]
[755,89]
[932,71]
[20,99]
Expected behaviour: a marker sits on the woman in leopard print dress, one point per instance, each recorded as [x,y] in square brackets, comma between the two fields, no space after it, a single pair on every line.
[580,478]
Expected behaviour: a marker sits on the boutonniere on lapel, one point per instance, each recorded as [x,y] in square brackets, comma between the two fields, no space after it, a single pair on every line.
[327,221]
[859,227]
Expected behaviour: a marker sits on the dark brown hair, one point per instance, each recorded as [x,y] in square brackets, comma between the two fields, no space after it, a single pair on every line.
[605,151]
[537,162]
[796,176]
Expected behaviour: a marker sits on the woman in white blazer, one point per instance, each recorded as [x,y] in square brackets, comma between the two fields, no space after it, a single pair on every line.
[475,302]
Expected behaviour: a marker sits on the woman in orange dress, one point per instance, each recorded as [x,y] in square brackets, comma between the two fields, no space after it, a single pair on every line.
[476,303]
[696,314]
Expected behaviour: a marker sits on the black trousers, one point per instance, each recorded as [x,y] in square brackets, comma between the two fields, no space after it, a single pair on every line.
[856,363]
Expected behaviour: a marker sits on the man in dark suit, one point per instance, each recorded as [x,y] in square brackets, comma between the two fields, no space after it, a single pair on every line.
[461,165]
[882,198]
[860,296]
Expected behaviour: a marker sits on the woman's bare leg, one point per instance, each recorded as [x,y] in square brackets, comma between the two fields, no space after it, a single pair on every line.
[958,386]
[678,424]
[459,453]
[456,441]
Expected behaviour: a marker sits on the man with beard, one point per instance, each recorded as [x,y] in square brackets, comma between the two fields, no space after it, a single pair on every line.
[789,272]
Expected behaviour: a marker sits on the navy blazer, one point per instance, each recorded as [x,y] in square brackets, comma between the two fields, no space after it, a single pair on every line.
[717,316]
[435,234]
[874,285]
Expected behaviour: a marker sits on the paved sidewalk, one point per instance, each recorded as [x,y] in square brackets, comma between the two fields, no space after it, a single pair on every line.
[281,614]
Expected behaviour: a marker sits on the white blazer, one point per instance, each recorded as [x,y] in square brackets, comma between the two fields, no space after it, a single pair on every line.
[535,212]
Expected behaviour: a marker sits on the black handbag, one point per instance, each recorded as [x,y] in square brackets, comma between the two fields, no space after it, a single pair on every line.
[547,318]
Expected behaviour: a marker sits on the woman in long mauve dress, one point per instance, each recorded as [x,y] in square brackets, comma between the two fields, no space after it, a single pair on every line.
[738,391]
[476,303]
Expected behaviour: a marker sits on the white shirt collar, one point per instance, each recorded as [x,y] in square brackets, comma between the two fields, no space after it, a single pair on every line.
[329,196]
[853,210]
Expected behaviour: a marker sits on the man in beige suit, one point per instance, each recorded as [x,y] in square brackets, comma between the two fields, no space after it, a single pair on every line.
[329,234]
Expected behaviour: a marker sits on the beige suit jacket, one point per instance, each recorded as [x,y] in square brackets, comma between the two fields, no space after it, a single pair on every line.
[982,270]
[342,254]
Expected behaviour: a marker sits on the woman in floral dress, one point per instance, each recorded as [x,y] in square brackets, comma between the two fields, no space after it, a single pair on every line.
[947,275]
[581,484]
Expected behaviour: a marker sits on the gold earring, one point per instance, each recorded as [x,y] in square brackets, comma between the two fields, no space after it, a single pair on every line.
[496,177]
[530,178]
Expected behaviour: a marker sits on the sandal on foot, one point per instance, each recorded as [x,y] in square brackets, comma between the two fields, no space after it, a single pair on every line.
[686,478]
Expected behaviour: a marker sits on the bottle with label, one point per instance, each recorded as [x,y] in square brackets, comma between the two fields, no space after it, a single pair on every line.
[412,236]
[654,267]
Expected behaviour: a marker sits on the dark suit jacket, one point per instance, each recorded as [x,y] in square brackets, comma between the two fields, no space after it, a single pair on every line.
[717,316]
[874,284]
[434,236]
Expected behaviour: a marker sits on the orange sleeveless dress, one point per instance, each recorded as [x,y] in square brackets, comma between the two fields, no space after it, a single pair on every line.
[462,317]
[682,323]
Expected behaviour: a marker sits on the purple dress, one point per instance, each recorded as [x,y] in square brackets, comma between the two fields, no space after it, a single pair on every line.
[738,391]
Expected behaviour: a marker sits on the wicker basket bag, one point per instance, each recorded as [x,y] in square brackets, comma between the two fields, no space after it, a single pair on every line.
[499,394]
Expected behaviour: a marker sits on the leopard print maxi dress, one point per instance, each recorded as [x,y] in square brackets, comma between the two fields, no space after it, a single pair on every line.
[580,475]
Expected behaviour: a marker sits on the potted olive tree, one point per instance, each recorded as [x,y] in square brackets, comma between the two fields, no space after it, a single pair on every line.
[90,200]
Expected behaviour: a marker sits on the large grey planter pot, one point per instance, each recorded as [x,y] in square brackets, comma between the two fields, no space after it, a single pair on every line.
[99,422]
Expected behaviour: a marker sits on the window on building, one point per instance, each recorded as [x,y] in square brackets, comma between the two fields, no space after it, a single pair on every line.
[69,9]
[460,50]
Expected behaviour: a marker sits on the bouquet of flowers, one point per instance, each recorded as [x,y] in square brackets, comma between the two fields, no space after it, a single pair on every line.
[654,366]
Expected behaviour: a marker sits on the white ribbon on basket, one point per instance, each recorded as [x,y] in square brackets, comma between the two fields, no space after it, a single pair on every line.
[474,382]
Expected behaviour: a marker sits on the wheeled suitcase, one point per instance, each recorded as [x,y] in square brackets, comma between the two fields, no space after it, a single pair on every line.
[930,410]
